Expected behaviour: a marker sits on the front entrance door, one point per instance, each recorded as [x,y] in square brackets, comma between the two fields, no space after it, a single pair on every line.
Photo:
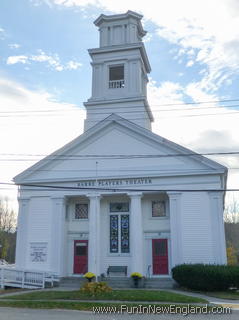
[80,256]
[160,256]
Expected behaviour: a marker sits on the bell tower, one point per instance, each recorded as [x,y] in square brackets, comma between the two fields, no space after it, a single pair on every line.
[119,71]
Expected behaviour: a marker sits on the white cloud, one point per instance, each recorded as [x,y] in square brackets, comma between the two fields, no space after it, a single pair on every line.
[52,61]
[167,92]
[190,63]
[17,59]
[14,45]
[73,65]
[147,38]
[26,124]
[2,34]
[187,124]
[206,31]
[193,126]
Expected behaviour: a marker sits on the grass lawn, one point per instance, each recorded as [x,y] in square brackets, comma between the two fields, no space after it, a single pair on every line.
[90,305]
[117,295]
[4,291]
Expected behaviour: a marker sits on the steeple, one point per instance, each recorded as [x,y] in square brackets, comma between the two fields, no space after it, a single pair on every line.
[119,71]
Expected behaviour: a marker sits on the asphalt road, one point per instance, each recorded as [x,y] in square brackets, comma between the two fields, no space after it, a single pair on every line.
[37,314]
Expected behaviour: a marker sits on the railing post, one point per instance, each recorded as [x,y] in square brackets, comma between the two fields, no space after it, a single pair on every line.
[43,280]
[2,278]
[23,279]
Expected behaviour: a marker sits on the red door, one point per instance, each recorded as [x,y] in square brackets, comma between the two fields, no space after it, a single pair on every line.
[80,256]
[160,256]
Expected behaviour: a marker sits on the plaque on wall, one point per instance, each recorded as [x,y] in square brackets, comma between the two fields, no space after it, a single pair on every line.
[38,252]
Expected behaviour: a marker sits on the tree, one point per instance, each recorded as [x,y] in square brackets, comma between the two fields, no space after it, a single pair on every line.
[231,256]
[231,211]
[7,230]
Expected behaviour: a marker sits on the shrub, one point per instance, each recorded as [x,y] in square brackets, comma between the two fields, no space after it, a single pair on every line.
[94,288]
[206,277]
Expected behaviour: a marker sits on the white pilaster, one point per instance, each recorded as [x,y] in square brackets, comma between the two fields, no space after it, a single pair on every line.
[136,231]
[217,227]
[175,228]
[22,232]
[94,234]
[58,240]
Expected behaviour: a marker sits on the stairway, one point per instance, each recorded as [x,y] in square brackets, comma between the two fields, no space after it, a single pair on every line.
[159,283]
[117,282]
[120,282]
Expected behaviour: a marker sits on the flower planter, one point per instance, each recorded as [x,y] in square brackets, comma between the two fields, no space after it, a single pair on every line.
[136,282]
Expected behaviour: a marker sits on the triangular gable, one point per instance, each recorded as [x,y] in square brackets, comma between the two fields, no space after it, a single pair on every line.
[128,136]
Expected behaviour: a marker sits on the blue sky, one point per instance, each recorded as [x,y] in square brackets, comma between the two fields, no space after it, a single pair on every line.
[192,46]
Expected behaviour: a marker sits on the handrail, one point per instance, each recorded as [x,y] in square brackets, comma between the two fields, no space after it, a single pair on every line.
[26,278]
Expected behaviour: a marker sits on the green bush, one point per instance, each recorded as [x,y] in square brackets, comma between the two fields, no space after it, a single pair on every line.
[206,277]
[94,288]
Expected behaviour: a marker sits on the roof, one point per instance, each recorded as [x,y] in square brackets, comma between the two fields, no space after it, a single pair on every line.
[129,14]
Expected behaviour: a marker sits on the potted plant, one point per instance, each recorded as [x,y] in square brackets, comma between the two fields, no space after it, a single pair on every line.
[89,276]
[136,276]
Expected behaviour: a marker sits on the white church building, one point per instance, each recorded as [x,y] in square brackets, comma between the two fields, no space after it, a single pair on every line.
[120,195]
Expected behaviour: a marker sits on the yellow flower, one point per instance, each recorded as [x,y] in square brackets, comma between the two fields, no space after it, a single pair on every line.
[89,275]
[136,275]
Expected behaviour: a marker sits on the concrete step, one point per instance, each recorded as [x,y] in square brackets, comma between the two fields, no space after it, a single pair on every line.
[159,283]
[117,282]
[121,282]
[72,282]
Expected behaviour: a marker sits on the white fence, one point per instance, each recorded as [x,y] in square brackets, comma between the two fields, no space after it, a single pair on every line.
[10,277]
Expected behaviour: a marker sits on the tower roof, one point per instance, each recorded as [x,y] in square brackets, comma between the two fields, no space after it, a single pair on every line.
[129,14]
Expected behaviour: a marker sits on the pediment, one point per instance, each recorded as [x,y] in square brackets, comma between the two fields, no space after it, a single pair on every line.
[117,148]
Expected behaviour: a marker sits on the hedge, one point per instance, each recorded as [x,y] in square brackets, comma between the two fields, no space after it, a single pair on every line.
[206,277]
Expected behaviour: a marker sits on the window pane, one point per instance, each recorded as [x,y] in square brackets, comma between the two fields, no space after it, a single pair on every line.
[119,207]
[81,250]
[81,211]
[158,209]
[114,227]
[116,73]
[125,233]
[160,248]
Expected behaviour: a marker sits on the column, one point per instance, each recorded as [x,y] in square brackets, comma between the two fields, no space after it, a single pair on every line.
[94,234]
[175,228]
[22,232]
[58,240]
[136,230]
[217,227]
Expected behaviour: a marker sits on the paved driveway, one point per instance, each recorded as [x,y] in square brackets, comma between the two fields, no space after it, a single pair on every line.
[36,314]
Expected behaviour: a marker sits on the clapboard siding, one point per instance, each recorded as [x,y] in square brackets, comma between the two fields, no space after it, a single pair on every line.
[196,228]
[40,218]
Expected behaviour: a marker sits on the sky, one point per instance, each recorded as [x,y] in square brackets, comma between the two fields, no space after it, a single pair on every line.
[45,75]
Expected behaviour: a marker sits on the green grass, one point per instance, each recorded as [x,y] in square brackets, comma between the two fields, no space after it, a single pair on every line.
[5,291]
[117,295]
[87,306]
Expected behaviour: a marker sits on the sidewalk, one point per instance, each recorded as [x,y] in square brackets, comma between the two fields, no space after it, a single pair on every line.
[234,304]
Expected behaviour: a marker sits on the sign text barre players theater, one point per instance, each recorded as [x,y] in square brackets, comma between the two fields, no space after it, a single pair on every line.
[73,230]
[114,182]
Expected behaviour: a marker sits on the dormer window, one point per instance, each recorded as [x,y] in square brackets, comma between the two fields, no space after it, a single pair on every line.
[116,77]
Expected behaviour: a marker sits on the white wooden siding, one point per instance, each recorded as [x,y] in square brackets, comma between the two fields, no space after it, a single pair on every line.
[39,230]
[196,228]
